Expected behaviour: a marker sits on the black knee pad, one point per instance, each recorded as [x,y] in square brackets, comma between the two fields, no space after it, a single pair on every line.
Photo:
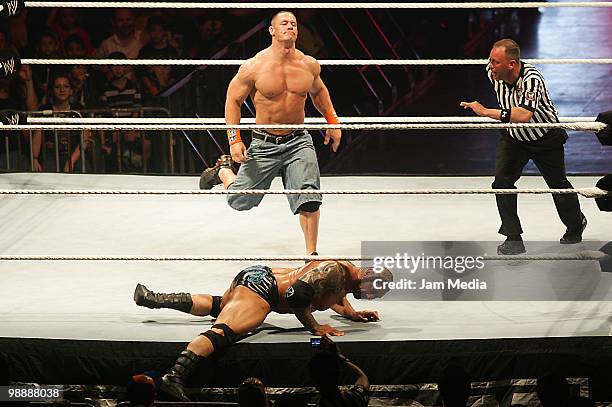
[220,342]
[229,333]
[216,306]
[309,206]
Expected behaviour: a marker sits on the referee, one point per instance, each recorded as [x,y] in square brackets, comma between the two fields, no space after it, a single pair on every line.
[523,98]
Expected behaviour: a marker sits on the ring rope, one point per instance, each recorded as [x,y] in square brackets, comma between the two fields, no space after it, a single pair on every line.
[585,192]
[280,6]
[579,126]
[250,120]
[582,255]
[336,62]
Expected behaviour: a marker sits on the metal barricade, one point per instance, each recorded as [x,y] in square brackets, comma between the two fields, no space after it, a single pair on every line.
[56,138]
[167,155]
[91,148]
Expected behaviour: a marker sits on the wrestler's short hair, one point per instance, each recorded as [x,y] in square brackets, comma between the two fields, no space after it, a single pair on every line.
[512,49]
[280,12]
[368,281]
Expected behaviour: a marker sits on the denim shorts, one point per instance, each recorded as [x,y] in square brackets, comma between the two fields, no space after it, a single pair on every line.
[295,161]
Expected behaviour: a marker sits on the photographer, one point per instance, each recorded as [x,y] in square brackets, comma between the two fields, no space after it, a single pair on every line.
[325,372]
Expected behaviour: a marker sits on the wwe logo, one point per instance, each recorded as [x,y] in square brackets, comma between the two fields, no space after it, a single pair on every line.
[8,66]
[13,119]
[11,7]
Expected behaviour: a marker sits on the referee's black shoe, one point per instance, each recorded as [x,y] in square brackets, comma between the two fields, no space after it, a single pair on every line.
[574,236]
[512,245]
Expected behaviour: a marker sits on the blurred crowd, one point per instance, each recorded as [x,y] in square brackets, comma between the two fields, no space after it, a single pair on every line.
[83,90]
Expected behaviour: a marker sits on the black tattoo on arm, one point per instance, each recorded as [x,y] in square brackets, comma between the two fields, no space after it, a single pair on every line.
[327,278]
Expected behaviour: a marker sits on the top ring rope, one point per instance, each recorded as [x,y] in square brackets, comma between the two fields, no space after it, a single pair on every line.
[578,126]
[250,120]
[345,62]
[328,5]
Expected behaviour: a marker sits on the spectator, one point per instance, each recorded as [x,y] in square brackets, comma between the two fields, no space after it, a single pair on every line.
[158,46]
[123,93]
[177,28]
[157,77]
[325,372]
[85,80]
[211,37]
[454,386]
[141,390]
[86,85]
[252,393]
[120,91]
[74,47]
[65,23]
[66,154]
[553,390]
[48,47]
[176,38]
[125,39]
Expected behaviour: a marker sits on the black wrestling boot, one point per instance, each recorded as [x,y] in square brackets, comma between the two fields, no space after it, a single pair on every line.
[145,298]
[512,245]
[210,176]
[173,382]
[574,236]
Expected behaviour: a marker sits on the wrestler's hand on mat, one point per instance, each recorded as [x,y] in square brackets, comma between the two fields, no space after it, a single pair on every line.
[335,135]
[327,330]
[475,106]
[239,152]
[365,316]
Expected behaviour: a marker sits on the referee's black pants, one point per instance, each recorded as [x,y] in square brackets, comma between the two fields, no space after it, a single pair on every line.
[548,155]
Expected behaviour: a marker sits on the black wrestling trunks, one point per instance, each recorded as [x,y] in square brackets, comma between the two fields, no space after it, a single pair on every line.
[261,281]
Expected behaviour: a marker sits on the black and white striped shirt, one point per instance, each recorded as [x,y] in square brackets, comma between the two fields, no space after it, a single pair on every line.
[528,92]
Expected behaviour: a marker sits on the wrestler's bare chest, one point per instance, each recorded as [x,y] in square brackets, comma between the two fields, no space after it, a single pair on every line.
[276,80]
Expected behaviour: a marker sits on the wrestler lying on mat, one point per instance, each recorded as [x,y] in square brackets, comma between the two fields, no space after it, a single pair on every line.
[254,293]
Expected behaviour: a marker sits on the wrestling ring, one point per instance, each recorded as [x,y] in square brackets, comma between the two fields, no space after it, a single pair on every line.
[73,246]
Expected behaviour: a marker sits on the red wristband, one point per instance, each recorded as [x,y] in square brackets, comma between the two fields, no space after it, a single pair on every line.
[331,117]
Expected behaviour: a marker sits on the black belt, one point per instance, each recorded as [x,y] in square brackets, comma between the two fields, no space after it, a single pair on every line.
[274,139]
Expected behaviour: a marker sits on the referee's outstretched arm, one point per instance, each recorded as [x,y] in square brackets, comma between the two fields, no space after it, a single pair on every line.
[512,115]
